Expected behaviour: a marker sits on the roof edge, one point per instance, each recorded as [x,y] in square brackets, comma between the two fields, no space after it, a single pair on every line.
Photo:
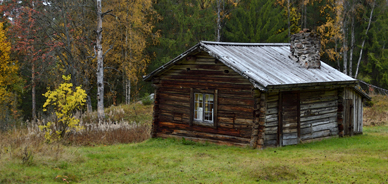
[335,83]
[244,44]
[168,64]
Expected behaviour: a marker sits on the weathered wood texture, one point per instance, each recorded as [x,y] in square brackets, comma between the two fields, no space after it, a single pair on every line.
[318,114]
[353,112]
[271,119]
[318,117]
[257,138]
[204,74]
[290,118]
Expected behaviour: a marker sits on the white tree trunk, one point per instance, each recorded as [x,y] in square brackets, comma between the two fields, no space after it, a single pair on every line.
[128,91]
[218,20]
[89,105]
[100,66]
[345,47]
[289,24]
[351,49]
[363,42]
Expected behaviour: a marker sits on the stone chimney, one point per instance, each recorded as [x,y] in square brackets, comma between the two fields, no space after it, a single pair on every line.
[305,47]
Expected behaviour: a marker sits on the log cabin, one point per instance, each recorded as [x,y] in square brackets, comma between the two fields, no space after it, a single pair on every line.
[255,94]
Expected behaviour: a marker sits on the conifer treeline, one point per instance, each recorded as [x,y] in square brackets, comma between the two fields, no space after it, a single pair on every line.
[51,38]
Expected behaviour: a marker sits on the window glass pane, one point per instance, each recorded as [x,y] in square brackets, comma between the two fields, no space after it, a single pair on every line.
[198,98]
[209,105]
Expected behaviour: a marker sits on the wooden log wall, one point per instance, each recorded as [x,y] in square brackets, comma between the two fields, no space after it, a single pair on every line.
[257,139]
[271,119]
[357,110]
[318,114]
[205,74]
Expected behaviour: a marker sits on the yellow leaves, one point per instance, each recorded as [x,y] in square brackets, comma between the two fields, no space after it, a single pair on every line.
[9,78]
[65,102]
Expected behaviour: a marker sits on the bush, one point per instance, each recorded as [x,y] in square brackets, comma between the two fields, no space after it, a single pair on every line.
[65,102]
[147,100]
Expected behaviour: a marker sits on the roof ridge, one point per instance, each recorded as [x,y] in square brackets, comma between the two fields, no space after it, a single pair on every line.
[244,44]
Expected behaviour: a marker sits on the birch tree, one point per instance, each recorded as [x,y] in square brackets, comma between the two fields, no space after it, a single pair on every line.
[100,65]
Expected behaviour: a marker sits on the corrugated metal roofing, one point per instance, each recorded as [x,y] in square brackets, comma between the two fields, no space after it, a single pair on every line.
[265,64]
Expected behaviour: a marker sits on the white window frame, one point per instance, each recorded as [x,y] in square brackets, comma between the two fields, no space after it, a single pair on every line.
[202,116]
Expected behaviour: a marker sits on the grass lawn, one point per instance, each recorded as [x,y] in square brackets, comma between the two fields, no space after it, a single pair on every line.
[358,159]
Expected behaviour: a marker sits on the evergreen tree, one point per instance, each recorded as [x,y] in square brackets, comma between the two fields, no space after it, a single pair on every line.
[256,21]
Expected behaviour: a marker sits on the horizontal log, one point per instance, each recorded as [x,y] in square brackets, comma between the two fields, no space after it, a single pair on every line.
[272,111]
[181,104]
[184,66]
[271,124]
[287,125]
[319,99]
[290,136]
[304,131]
[235,108]
[175,108]
[270,137]
[314,112]
[210,136]
[319,121]
[234,126]
[202,140]
[322,116]
[272,105]
[319,105]
[313,94]
[290,142]
[231,113]
[209,79]
[290,130]
[236,101]
[272,119]
[272,98]
[219,130]
[267,129]
[323,133]
[328,126]
[270,143]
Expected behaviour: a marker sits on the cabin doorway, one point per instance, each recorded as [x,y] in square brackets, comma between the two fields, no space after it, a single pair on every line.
[348,126]
[289,130]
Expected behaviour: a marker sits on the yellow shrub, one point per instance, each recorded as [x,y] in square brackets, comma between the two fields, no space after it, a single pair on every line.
[65,102]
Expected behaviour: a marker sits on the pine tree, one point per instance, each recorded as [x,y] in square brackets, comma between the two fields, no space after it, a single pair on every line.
[256,21]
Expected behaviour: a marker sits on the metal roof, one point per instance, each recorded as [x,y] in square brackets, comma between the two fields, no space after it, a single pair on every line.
[266,65]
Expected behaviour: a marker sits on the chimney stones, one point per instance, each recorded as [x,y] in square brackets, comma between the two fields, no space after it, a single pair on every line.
[305,47]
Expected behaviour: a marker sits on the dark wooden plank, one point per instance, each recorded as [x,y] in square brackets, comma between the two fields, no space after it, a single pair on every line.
[219,130]
[192,106]
[216,102]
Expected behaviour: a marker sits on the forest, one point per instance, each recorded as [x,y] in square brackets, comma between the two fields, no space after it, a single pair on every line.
[106,47]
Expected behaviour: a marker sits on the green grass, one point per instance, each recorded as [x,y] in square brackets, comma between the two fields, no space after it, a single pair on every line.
[358,159]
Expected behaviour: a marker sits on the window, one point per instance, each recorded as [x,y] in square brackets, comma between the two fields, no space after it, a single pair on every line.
[204,107]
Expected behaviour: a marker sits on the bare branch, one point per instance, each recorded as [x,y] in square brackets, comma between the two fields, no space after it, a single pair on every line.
[110,47]
[106,13]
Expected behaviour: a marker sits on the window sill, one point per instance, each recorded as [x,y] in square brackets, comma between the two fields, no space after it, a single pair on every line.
[203,123]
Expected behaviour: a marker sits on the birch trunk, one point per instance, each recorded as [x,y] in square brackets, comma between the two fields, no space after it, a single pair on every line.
[363,42]
[100,66]
[351,49]
[89,105]
[344,47]
[128,91]
[218,20]
[289,24]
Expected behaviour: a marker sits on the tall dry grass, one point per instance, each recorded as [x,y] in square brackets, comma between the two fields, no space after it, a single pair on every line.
[377,112]
[124,124]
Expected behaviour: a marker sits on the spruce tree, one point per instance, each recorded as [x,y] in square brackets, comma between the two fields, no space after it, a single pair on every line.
[256,21]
